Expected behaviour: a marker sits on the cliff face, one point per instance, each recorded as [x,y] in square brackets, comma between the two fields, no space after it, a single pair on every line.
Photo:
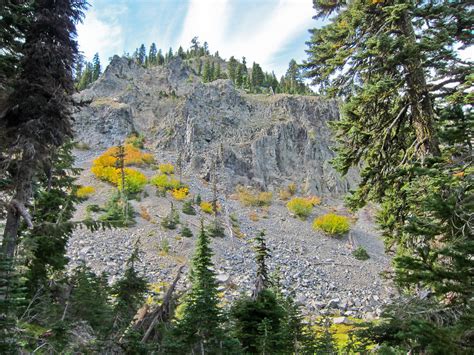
[256,139]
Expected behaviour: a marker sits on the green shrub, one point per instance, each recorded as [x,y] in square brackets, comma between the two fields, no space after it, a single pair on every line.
[171,220]
[165,182]
[93,208]
[186,232]
[332,224]
[300,206]
[188,208]
[198,200]
[118,212]
[135,139]
[360,253]
[216,229]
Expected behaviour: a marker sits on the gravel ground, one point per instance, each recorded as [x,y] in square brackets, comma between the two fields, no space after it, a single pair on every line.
[319,270]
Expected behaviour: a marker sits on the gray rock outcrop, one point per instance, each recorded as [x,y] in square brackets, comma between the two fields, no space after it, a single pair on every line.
[261,140]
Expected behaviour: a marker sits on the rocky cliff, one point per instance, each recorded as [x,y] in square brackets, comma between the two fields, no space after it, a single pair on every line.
[259,140]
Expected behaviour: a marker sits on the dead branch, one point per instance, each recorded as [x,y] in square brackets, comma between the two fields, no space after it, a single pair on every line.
[21,209]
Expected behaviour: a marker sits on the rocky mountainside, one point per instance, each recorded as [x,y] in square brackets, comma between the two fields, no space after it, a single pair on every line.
[259,140]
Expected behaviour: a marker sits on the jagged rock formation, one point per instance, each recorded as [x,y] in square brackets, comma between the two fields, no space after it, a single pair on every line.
[260,140]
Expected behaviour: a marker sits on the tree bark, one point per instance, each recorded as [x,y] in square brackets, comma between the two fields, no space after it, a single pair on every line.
[12,225]
[420,102]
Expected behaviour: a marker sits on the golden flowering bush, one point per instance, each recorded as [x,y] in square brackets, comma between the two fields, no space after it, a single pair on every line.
[180,193]
[85,191]
[300,206]
[332,224]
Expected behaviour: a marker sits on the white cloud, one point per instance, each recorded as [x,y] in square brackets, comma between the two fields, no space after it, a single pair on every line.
[207,20]
[104,36]
[258,40]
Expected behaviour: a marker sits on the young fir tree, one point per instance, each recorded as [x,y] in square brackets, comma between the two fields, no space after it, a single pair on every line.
[232,68]
[395,65]
[206,73]
[96,69]
[129,290]
[200,330]
[141,54]
[152,55]
[268,322]
[54,203]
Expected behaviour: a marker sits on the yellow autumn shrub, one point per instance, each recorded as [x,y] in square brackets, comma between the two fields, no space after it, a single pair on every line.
[206,207]
[85,191]
[165,182]
[300,206]
[166,168]
[314,200]
[134,180]
[180,193]
[253,198]
[332,224]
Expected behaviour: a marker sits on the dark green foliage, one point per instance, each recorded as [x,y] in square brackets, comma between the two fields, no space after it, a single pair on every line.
[325,343]
[186,232]
[141,55]
[200,330]
[12,300]
[198,199]
[15,17]
[96,68]
[89,299]
[360,253]
[153,55]
[129,291]
[54,205]
[171,221]
[188,208]
[407,120]
[215,229]
[423,325]
[93,208]
[118,212]
[257,323]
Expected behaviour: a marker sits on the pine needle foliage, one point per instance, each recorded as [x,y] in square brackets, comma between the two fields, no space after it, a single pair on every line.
[200,330]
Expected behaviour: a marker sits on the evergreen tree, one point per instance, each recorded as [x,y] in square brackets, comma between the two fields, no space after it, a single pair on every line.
[181,53]
[152,55]
[394,63]
[160,59]
[129,291]
[257,76]
[239,76]
[232,68]
[96,69]
[218,73]
[86,78]
[54,203]
[169,55]
[195,46]
[206,73]
[141,56]
[201,328]
[38,117]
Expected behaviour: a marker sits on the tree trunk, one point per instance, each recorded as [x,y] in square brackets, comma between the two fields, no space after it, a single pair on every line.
[12,225]
[420,102]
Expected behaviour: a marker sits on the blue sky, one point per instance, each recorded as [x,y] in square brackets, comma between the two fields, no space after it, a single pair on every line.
[269,32]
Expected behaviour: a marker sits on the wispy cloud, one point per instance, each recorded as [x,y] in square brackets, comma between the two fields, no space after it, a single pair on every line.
[258,33]
[206,19]
[268,32]
[103,34]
